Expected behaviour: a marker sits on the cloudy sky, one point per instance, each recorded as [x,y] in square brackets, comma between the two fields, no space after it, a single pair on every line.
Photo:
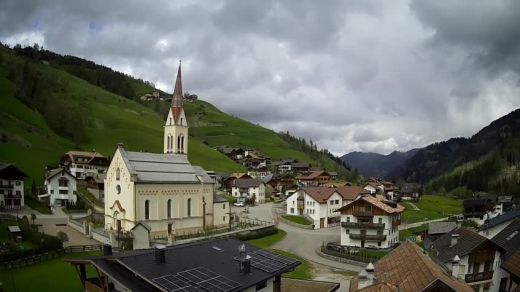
[369,75]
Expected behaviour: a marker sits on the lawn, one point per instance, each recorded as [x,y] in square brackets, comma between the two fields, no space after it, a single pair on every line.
[297,219]
[53,275]
[303,271]
[431,207]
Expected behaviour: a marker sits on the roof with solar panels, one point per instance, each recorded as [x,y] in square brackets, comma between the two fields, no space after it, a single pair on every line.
[208,266]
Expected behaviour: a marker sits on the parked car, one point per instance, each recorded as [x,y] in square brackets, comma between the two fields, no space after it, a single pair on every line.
[239,204]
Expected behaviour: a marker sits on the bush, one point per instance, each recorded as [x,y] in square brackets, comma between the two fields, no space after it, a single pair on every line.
[257,234]
[63,236]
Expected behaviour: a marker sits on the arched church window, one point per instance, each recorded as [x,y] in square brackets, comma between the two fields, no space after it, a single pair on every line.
[147,209]
[189,208]
[169,208]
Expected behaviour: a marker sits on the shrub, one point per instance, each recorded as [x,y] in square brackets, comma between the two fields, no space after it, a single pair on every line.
[63,236]
[257,234]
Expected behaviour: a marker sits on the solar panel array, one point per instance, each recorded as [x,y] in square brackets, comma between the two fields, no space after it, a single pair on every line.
[269,262]
[195,280]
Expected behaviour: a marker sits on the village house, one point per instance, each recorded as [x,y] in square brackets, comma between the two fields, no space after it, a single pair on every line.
[410,192]
[374,187]
[218,265]
[370,222]
[232,153]
[60,187]
[314,178]
[470,257]
[438,229]
[83,164]
[407,268]
[11,187]
[493,226]
[509,270]
[163,190]
[320,204]
[478,209]
[248,188]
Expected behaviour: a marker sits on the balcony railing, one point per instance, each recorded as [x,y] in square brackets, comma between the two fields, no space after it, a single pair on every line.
[378,237]
[6,186]
[396,223]
[369,225]
[476,277]
[362,213]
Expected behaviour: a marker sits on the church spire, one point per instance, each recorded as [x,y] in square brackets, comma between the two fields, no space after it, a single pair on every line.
[177,92]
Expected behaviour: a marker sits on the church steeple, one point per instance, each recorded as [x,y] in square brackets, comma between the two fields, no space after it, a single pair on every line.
[176,127]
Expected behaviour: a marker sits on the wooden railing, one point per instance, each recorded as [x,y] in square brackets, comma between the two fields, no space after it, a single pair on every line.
[378,237]
[362,213]
[476,277]
[369,225]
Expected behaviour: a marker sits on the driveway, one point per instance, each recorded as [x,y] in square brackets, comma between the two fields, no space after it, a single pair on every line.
[303,242]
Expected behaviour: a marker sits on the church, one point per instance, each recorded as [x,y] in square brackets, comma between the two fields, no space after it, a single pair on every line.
[164,191]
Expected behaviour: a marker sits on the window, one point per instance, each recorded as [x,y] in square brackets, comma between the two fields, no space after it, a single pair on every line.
[118,189]
[292,211]
[64,182]
[368,208]
[63,192]
[348,219]
[118,173]
[379,243]
[224,218]
[347,231]
[169,208]
[189,208]
[52,192]
[18,182]
[380,220]
[147,209]
[337,202]
[487,266]
[223,206]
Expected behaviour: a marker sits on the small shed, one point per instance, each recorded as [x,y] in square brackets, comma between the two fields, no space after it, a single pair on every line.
[14,232]
[141,235]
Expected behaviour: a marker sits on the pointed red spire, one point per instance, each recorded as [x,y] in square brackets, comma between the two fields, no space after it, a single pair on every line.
[177,97]
[177,92]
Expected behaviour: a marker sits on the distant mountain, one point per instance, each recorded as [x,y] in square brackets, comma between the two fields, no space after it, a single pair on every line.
[488,161]
[375,164]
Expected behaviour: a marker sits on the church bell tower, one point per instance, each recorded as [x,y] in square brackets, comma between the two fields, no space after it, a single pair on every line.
[176,126]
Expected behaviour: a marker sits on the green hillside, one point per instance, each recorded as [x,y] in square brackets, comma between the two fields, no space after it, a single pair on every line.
[29,129]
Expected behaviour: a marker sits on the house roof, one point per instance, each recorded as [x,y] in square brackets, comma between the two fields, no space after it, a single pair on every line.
[474,202]
[247,183]
[408,268]
[14,228]
[313,174]
[377,202]
[509,237]
[74,154]
[350,192]
[441,227]
[320,194]
[219,199]
[9,171]
[467,241]
[301,164]
[141,223]
[163,168]
[53,172]
[511,215]
[217,258]
[512,264]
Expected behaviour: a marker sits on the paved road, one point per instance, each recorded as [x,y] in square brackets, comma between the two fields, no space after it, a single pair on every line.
[417,224]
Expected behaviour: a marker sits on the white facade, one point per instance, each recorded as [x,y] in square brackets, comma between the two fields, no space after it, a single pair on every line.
[82,171]
[370,188]
[258,192]
[221,214]
[379,226]
[464,268]
[11,193]
[176,134]
[61,187]
[321,213]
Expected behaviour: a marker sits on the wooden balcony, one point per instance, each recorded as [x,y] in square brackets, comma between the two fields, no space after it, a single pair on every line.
[367,225]
[477,277]
[377,237]
[396,223]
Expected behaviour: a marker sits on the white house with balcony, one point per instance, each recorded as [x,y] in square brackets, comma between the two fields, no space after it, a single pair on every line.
[248,188]
[11,187]
[60,186]
[370,222]
[470,257]
[84,164]
[320,204]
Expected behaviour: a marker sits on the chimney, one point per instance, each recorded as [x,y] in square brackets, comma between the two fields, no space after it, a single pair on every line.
[107,250]
[370,274]
[245,265]
[455,266]
[160,256]
[454,239]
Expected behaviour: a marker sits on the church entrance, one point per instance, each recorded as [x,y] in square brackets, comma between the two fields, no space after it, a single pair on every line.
[119,227]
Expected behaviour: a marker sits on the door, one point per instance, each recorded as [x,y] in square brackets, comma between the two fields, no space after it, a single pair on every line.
[322,222]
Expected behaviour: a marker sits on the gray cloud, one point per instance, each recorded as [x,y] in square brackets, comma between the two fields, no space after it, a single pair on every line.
[366,75]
